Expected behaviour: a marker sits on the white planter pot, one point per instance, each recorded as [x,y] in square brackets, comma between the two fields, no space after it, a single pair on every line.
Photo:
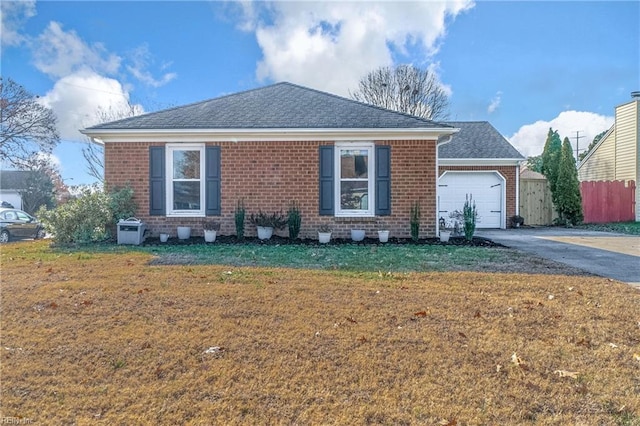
[210,236]
[164,237]
[324,237]
[444,236]
[357,234]
[184,232]
[264,232]
[383,236]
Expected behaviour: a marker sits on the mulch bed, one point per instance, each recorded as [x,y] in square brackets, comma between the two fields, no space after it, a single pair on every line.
[278,241]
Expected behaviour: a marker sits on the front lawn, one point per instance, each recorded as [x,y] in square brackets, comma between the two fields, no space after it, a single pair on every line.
[357,257]
[106,336]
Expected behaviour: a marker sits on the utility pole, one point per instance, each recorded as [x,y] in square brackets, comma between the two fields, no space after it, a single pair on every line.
[578,137]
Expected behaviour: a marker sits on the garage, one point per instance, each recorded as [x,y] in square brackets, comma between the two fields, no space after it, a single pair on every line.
[487,189]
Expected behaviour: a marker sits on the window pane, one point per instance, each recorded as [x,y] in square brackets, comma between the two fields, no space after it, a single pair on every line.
[186,195]
[354,163]
[354,195]
[186,164]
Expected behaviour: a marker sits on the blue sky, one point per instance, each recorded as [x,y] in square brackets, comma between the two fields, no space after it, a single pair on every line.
[523,66]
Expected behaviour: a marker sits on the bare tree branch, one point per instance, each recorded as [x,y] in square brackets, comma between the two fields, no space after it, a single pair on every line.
[406,89]
[93,153]
[26,127]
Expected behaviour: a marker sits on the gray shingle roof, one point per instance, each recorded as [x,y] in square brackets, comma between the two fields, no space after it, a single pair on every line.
[477,139]
[279,106]
[14,179]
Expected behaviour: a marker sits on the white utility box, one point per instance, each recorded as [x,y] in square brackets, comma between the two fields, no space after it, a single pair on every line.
[131,231]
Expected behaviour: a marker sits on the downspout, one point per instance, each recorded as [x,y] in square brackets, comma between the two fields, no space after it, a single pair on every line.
[442,140]
[517,190]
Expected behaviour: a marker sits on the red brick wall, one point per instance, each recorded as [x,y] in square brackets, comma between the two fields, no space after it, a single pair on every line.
[508,172]
[270,175]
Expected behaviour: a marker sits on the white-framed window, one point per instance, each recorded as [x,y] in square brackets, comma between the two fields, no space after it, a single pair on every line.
[185,180]
[355,179]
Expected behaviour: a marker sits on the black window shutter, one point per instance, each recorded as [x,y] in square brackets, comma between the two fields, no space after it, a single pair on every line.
[326,201]
[383,180]
[212,184]
[157,193]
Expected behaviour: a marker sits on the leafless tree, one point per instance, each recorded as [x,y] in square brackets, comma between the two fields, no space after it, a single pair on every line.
[94,153]
[404,88]
[26,127]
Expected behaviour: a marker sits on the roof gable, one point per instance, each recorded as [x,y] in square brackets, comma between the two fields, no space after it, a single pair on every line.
[477,139]
[278,106]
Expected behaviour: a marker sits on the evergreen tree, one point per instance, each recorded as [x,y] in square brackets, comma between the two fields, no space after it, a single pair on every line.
[569,200]
[551,161]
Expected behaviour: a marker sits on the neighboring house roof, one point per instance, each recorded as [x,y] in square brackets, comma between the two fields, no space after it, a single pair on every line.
[278,106]
[13,179]
[477,140]
[530,174]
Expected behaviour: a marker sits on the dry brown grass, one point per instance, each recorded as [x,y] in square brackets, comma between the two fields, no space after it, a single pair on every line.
[108,338]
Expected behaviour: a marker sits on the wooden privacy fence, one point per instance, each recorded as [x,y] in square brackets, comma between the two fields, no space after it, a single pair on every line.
[608,201]
[536,206]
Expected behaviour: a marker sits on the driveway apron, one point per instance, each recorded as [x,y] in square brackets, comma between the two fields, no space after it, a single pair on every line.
[610,255]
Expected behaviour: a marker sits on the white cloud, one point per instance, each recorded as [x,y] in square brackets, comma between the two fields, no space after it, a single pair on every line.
[530,138]
[59,53]
[331,45]
[77,100]
[495,102]
[13,14]
[141,57]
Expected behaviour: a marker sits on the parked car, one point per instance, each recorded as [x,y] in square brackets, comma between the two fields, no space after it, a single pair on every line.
[16,224]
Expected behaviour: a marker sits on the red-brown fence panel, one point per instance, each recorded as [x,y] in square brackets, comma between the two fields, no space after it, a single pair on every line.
[608,201]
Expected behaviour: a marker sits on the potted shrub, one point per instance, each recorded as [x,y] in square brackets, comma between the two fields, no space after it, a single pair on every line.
[324,234]
[211,228]
[357,234]
[184,232]
[265,223]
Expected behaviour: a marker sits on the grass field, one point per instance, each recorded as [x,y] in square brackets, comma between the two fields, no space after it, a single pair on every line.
[107,336]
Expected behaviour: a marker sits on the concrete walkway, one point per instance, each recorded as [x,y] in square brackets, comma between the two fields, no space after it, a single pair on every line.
[611,255]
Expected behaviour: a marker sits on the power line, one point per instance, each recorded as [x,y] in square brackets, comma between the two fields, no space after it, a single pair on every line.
[578,137]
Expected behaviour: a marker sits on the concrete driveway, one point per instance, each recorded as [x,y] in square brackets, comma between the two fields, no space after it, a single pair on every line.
[606,254]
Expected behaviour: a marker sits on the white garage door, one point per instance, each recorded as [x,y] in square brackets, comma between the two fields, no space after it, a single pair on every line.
[486,189]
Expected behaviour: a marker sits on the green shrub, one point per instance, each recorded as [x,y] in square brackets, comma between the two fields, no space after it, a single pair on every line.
[81,220]
[294,220]
[239,216]
[470,215]
[415,221]
[90,217]
[121,203]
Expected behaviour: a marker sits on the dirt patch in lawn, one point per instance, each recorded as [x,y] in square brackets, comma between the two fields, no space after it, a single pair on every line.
[105,337]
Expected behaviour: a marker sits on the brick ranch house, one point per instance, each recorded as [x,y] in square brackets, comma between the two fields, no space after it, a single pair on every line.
[346,164]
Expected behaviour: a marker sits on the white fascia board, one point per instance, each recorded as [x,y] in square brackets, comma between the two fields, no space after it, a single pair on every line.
[251,135]
[480,161]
